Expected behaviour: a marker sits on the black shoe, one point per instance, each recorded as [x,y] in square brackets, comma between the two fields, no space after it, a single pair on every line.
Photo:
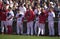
[51,35]
[58,35]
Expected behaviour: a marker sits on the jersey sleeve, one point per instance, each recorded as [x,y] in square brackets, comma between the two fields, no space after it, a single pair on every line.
[53,14]
[12,14]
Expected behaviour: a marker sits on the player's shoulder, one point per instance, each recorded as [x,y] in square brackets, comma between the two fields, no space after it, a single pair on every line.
[11,12]
[24,7]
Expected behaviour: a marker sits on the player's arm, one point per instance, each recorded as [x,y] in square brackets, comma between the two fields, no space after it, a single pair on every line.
[10,16]
[53,15]
[17,16]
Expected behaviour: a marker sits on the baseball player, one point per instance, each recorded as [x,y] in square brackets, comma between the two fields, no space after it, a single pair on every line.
[3,18]
[59,19]
[51,16]
[29,15]
[1,6]
[3,21]
[10,17]
[59,23]
[37,12]
[42,19]
[19,17]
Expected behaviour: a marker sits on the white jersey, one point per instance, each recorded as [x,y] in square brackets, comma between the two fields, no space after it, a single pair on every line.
[22,9]
[51,16]
[36,11]
[19,19]
[11,15]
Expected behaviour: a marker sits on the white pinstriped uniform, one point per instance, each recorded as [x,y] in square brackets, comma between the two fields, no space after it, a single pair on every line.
[51,16]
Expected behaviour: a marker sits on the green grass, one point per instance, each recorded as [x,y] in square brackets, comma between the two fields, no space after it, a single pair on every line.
[26,37]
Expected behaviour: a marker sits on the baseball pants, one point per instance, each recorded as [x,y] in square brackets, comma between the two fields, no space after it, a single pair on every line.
[9,26]
[30,27]
[41,29]
[3,23]
[36,26]
[19,28]
[51,27]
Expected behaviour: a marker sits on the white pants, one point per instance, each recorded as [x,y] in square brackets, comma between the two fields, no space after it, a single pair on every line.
[19,28]
[41,29]
[30,27]
[51,27]
[36,25]
[3,23]
[58,27]
[10,22]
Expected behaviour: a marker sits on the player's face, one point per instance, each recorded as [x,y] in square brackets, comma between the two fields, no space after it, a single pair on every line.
[43,10]
[22,5]
[35,7]
[26,5]
[51,9]
[4,6]
[18,11]
[38,9]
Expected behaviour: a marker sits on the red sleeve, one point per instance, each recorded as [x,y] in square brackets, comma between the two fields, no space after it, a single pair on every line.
[33,15]
[46,13]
